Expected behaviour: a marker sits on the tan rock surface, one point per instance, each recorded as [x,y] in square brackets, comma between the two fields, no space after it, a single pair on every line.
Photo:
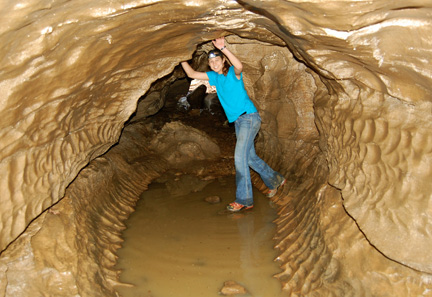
[232,288]
[344,92]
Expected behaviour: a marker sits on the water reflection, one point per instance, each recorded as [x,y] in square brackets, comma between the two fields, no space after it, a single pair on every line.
[179,245]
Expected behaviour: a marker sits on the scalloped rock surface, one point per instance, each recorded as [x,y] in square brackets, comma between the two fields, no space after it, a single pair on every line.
[344,91]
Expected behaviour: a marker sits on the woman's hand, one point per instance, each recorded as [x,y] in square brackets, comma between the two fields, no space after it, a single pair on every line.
[219,42]
[238,66]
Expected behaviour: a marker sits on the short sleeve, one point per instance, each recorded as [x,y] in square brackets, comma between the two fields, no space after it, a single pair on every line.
[232,73]
[212,76]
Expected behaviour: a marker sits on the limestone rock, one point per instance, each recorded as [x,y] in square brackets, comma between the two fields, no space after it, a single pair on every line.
[343,89]
[180,144]
[231,288]
[196,97]
[213,199]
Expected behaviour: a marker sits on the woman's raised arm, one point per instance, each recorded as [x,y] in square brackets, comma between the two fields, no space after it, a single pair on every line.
[219,43]
[192,73]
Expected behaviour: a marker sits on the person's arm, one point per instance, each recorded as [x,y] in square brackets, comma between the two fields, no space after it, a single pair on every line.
[238,66]
[192,73]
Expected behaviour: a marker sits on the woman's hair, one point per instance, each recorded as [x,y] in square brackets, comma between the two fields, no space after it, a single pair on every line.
[218,53]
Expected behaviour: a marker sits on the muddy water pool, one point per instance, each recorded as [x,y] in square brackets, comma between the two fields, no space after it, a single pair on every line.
[178,245]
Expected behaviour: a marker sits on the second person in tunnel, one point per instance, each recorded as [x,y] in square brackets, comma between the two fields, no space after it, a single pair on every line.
[239,109]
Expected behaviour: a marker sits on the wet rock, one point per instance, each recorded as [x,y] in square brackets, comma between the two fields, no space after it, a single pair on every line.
[180,144]
[149,105]
[196,98]
[232,288]
[213,199]
[185,184]
[195,112]
[212,103]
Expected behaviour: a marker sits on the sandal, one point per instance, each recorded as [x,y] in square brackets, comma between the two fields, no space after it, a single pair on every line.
[270,193]
[235,207]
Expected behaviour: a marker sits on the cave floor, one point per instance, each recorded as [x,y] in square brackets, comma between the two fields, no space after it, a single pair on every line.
[178,244]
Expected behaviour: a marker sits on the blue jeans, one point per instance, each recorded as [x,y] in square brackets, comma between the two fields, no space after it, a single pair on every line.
[246,128]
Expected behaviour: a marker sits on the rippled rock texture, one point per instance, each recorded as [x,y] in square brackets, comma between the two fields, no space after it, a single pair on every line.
[343,88]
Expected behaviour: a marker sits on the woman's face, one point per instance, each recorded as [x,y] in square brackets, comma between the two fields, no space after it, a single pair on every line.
[216,64]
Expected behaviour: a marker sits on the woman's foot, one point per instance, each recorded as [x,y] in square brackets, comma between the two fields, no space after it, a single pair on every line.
[270,193]
[235,207]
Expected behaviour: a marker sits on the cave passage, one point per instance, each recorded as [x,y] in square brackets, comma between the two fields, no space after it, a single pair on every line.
[344,92]
[179,245]
[176,243]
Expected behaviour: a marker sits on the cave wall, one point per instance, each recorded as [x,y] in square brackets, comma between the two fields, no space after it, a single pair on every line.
[72,73]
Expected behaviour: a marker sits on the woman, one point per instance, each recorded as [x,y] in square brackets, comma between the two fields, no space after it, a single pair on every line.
[239,109]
